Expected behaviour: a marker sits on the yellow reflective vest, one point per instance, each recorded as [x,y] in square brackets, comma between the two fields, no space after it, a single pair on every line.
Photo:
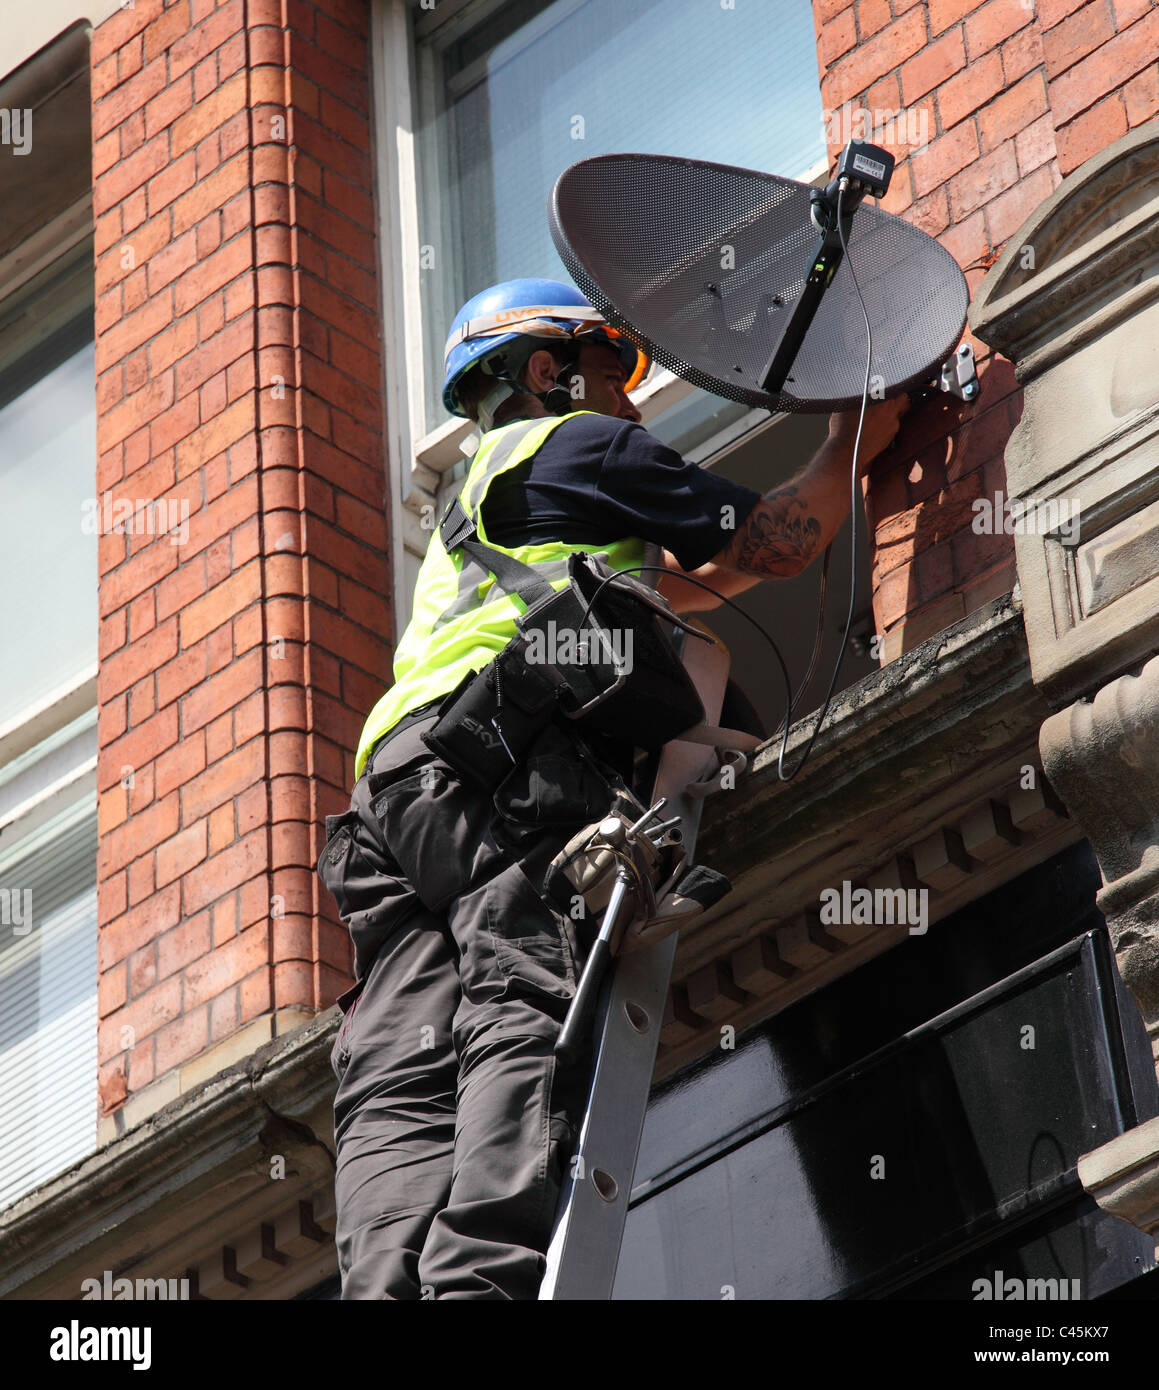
[461,618]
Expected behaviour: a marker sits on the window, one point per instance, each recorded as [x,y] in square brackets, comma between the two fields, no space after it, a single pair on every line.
[48,829]
[48,627]
[49,563]
[48,973]
[482,106]
[507,104]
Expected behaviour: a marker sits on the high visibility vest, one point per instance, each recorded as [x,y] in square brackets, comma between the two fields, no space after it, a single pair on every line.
[461,618]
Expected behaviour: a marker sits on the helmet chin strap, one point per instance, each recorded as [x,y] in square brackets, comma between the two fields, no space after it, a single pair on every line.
[503,390]
[556,401]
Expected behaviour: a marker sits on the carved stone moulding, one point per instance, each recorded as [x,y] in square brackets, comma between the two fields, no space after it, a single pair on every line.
[1062,278]
[1102,756]
[791,955]
[225,1193]
[1088,557]
[1123,1176]
[1074,302]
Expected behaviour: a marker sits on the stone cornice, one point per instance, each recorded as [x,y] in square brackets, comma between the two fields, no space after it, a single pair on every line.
[1123,1176]
[1099,227]
[161,1200]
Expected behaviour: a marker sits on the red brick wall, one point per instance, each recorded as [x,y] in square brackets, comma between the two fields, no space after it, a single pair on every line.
[236,667]
[235,245]
[1017,94]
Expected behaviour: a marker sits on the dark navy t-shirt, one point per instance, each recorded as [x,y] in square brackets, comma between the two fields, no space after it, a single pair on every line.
[597,479]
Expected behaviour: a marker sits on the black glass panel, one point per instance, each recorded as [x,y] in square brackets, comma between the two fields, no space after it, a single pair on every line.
[1079,1249]
[910,1118]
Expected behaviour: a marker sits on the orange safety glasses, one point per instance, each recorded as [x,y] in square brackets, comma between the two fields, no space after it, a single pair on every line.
[549,328]
[643,361]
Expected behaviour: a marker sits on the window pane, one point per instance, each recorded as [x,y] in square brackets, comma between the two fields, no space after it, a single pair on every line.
[536,87]
[48,982]
[48,564]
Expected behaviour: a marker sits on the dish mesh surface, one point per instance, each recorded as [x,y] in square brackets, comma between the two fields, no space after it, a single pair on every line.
[701,265]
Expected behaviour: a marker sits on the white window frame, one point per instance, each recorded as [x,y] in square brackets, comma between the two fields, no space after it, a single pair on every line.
[419,462]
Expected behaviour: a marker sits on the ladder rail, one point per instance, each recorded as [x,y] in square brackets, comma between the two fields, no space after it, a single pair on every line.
[593,1207]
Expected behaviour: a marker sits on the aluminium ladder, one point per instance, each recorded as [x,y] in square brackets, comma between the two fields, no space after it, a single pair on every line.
[593,1205]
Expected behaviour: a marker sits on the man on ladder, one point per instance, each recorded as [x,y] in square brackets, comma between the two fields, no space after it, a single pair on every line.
[453,1116]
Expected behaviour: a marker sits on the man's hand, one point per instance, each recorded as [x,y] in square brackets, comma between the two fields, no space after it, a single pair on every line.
[794,523]
[882,421]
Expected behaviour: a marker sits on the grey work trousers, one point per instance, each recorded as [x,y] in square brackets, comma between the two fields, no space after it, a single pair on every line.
[454,1121]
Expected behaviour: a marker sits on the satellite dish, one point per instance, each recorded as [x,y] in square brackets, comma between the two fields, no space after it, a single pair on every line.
[706,266]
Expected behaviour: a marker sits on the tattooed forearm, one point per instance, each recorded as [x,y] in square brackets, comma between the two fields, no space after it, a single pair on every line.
[778,537]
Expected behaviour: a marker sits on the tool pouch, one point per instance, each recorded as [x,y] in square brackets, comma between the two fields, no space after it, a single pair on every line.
[599,647]
[492,718]
[606,646]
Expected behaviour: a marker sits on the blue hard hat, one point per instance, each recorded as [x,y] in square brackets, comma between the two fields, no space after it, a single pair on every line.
[534,308]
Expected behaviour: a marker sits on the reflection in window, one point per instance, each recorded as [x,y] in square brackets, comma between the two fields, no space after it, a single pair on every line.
[48,563]
[535,87]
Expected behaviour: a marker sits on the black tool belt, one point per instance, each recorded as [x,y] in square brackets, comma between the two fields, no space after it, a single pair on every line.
[593,655]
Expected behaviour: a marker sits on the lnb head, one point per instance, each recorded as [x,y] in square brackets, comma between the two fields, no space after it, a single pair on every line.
[862,169]
[868,168]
